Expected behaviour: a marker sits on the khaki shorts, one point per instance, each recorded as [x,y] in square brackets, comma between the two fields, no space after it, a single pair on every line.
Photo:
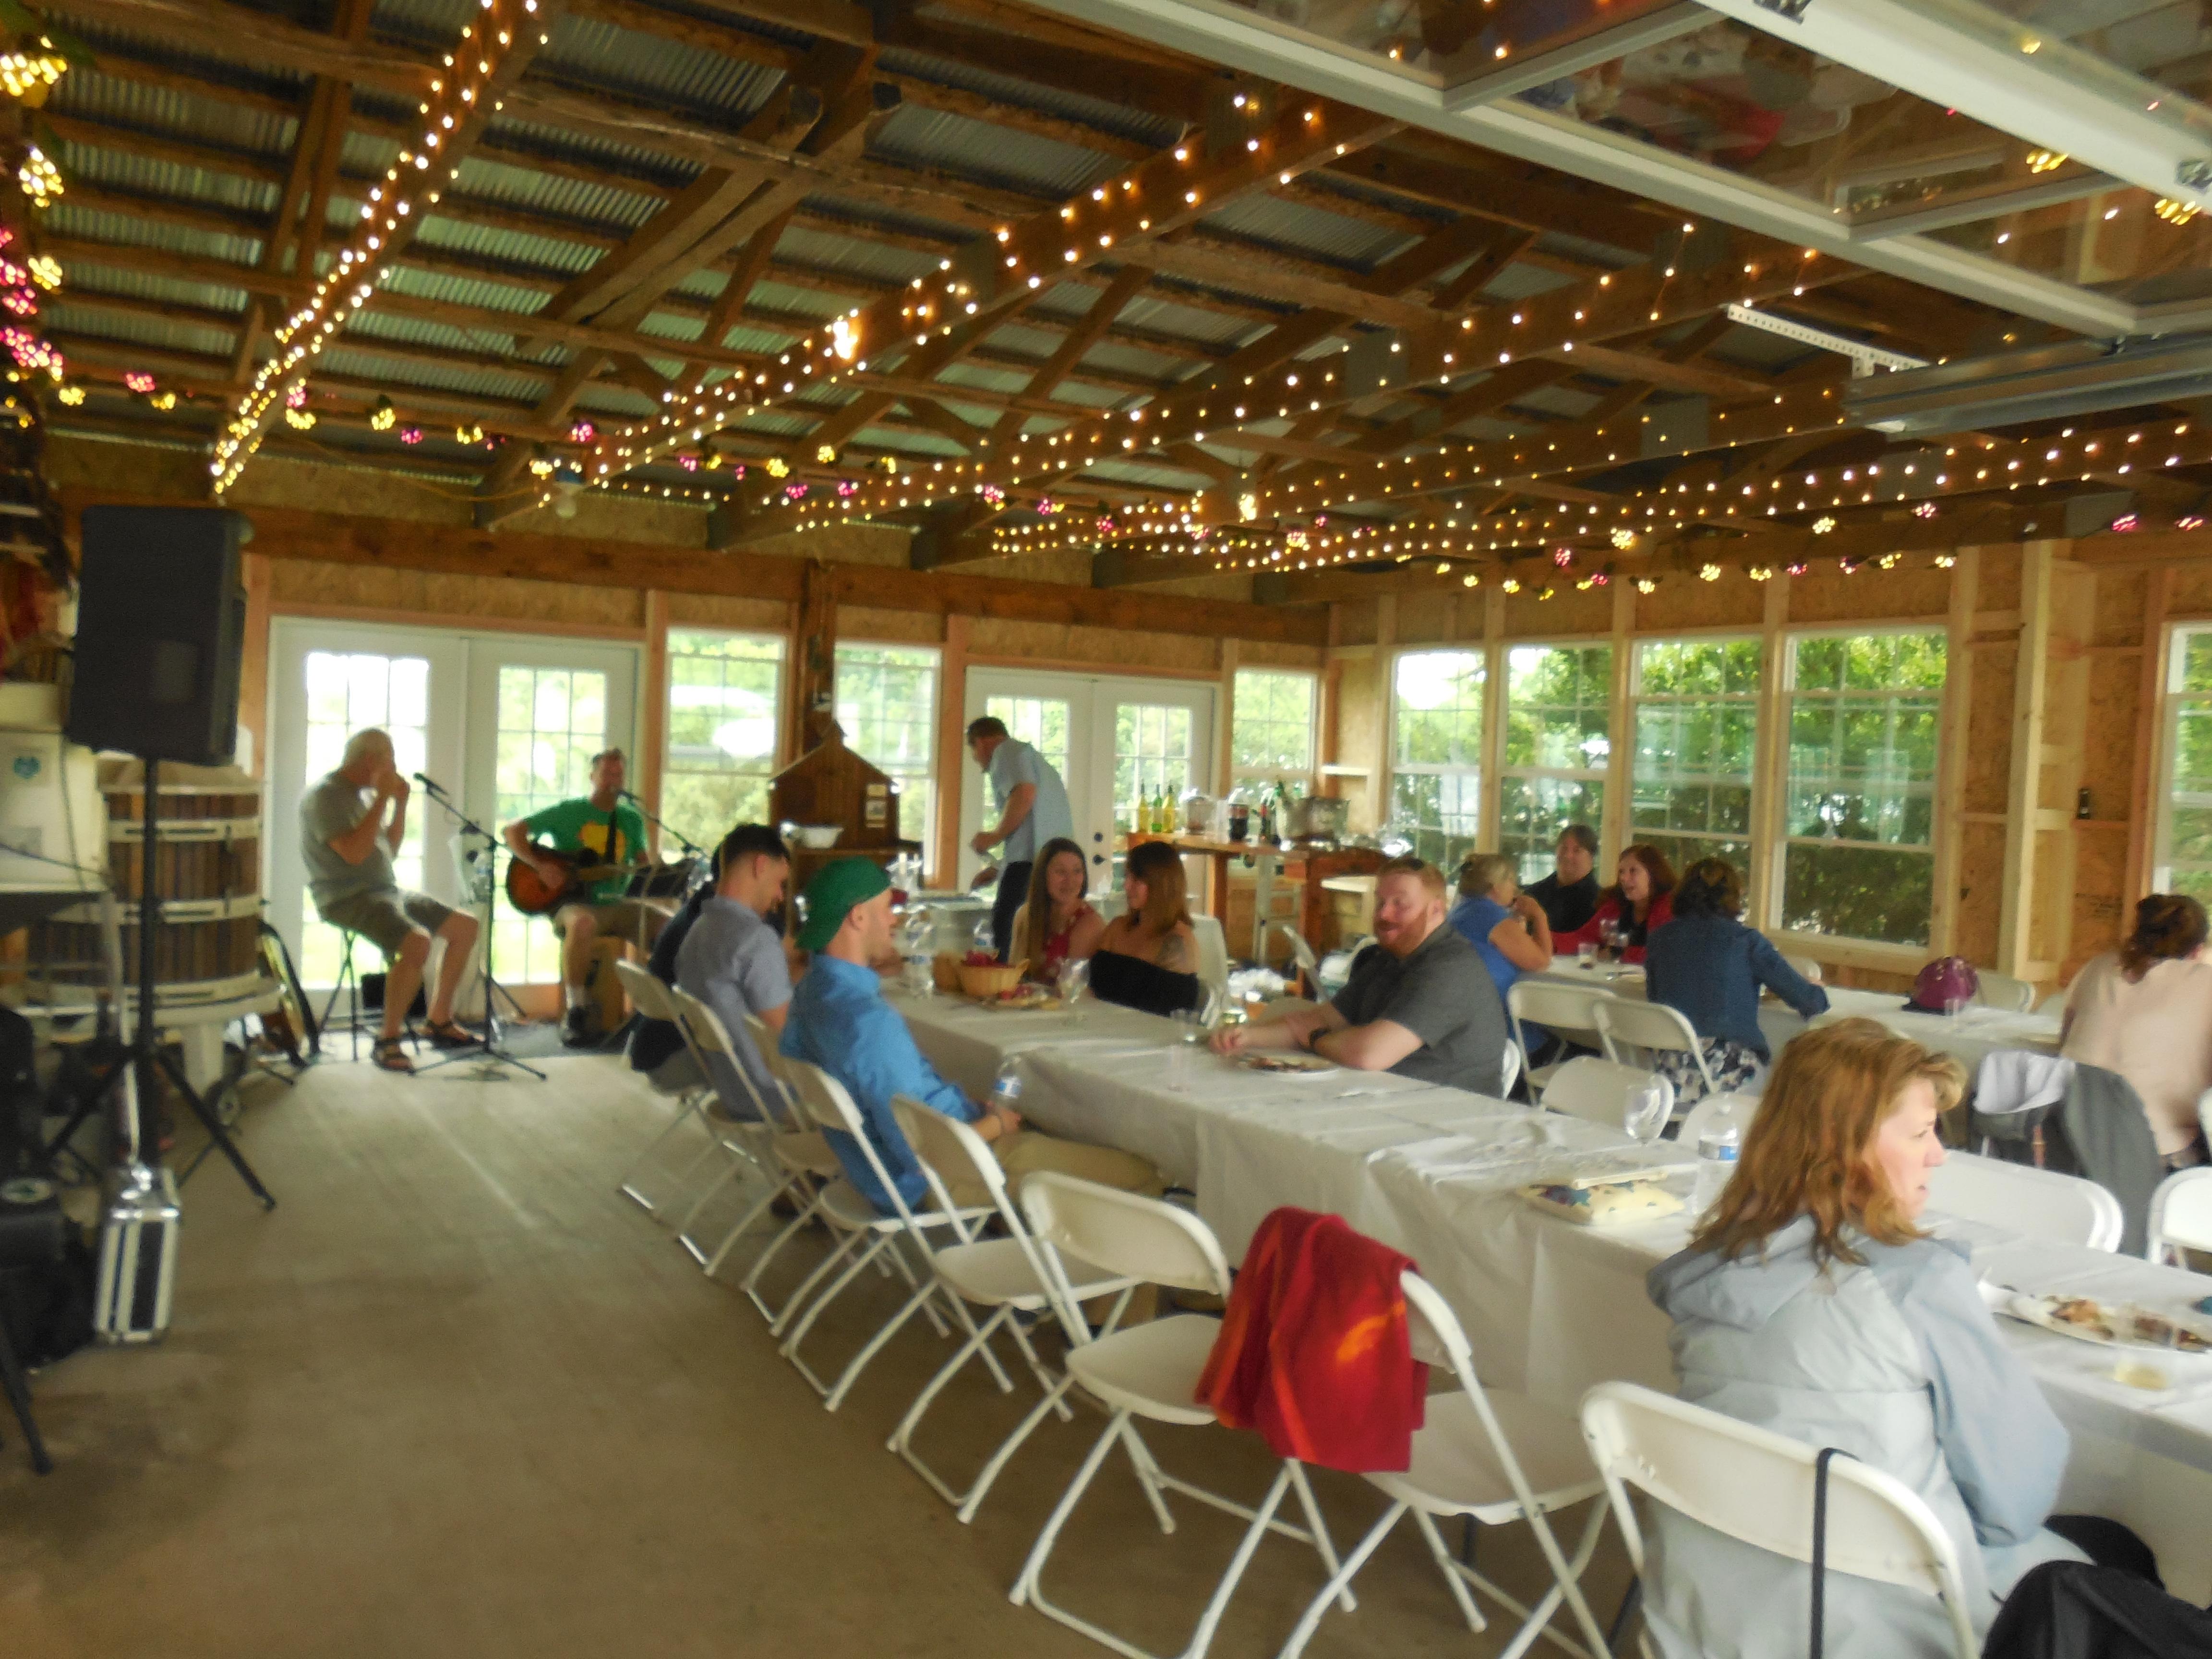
[638,921]
[386,918]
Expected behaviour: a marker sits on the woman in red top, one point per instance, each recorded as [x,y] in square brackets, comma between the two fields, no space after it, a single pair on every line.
[1056,925]
[1641,899]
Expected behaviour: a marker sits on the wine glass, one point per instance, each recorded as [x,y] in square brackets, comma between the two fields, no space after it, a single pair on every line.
[1647,1110]
[1072,981]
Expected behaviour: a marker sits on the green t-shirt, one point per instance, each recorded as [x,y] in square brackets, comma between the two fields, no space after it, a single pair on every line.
[582,830]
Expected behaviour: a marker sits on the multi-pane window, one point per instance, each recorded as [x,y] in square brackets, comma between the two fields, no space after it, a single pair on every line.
[1151,754]
[887,704]
[1040,722]
[1696,736]
[1558,704]
[552,722]
[2185,830]
[722,704]
[1859,806]
[1436,774]
[346,691]
[1272,734]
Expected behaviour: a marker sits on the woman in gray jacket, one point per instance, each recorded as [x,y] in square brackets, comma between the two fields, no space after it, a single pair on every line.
[1809,1302]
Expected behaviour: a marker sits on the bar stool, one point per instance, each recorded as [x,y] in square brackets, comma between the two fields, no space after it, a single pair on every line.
[349,978]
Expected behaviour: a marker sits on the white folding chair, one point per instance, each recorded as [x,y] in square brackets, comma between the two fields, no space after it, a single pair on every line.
[1757,1486]
[1994,990]
[1652,1028]
[1302,954]
[1213,954]
[1007,1275]
[2181,1214]
[1494,1457]
[2055,1003]
[1693,1122]
[749,1126]
[1510,1073]
[2022,1199]
[869,1233]
[804,1157]
[652,1000]
[1805,968]
[1594,1090]
[1150,1371]
[1568,1012]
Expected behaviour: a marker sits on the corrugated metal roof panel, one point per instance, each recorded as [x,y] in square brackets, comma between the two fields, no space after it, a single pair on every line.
[506,247]
[1154,312]
[462,290]
[604,397]
[853,255]
[129,230]
[607,206]
[772,295]
[137,328]
[123,43]
[371,325]
[90,95]
[1313,231]
[1152,129]
[570,146]
[118,168]
[424,21]
[1044,167]
[654,70]
[87,277]
[352,354]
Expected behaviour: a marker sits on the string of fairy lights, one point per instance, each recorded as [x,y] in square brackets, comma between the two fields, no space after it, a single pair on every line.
[463,95]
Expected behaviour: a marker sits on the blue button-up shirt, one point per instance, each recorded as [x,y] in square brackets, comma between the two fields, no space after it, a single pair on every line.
[840,1021]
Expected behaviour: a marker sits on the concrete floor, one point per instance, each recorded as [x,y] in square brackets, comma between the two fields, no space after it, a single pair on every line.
[456,1396]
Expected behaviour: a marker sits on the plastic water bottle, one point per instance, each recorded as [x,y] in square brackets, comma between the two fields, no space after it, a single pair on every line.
[1006,1087]
[1717,1144]
[916,935]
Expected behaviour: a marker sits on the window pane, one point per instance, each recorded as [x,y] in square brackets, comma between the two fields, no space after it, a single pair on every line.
[1858,892]
[559,723]
[887,704]
[1272,732]
[1435,790]
[1696,732]
[723,698]
[1559,706]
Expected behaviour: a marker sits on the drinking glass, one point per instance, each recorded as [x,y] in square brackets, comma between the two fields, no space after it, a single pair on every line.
[1645,1113]
[1954,1006]
[1190,1027]
[1179,1060]
[1074,980]
[1586,953]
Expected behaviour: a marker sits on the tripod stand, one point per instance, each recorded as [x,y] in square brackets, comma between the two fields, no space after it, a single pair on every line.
[491,1053]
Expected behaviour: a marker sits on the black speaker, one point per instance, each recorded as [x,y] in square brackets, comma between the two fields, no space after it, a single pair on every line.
[160,625]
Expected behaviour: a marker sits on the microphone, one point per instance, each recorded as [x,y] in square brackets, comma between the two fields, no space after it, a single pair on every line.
[427,783]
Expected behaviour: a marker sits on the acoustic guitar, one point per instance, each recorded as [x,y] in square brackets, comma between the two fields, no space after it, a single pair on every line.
[536,895]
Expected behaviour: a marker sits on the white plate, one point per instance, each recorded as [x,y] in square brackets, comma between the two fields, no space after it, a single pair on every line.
[1287,1066]
[2116,1331]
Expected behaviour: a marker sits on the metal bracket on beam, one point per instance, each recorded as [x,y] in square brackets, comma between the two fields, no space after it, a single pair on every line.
[1865,358]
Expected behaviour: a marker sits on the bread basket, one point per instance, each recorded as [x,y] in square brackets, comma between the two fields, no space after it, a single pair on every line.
[944,969]
[982,982]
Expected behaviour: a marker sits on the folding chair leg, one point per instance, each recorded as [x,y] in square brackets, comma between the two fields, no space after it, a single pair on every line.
[627,1186]
[744,1223]
[801,1298]
[1055,1400]
[1025,1583]
[789,1349]
[874,1344]
[750,1285]
[1323,1543]
[1340,1583]
[1453,1574]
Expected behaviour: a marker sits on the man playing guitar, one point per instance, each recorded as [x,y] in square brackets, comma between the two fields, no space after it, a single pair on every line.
[600,828]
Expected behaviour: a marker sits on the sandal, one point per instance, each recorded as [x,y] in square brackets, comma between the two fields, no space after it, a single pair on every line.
[453,1034]
[386,1054]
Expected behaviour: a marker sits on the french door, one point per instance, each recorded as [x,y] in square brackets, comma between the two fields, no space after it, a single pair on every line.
[506,723]
[1108,736]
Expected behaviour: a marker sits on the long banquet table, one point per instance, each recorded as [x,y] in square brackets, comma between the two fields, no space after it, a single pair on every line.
[1552,1307]
[1972,1033]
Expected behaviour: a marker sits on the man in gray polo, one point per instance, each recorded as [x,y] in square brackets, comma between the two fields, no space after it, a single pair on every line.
[347,841]
[733,959]
[1419,1002]
[1032,809]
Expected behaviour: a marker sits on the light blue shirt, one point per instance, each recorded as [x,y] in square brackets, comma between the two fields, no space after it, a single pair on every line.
[840,1021]
[732,961]
[1014,764]
[1476,917]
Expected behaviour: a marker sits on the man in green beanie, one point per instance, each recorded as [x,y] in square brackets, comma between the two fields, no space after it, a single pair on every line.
[840,1021]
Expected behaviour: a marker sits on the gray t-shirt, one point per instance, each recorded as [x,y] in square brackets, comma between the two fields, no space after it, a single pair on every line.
[1444,995]
[1014,763]
[733,962]
[328,809]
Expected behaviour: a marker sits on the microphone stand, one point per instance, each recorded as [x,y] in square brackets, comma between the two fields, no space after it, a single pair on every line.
[666,828]
[491,1053]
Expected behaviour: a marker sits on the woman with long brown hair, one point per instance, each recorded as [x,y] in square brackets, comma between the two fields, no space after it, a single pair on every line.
[2145,1011]
[1147,957]
[1641,898]
[1056,924]
[1810,1302]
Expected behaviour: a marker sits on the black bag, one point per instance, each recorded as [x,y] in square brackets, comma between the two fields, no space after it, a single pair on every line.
[2071,1610]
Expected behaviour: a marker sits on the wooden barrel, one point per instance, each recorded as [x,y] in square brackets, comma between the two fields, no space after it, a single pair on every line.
[206,858]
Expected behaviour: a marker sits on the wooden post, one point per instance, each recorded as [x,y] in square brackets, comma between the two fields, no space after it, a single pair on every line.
[653,706]
[813,658]
[2150,733]
[2024,777]
[1386,642]
[943,837]
[1224,747]
[253,660]
[1949,830]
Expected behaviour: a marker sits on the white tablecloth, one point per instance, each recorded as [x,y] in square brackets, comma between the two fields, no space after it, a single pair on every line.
[1551,1307]
[1970,1034]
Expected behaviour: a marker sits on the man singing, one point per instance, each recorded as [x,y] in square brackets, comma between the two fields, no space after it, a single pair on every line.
[600,828]
[1032,809]
[350,824]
